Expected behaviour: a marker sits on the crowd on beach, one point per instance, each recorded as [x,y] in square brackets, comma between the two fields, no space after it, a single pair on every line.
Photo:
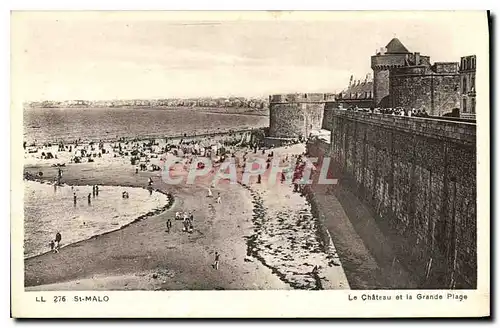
[148,155]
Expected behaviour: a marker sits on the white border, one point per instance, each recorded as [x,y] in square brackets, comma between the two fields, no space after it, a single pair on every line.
[129,5]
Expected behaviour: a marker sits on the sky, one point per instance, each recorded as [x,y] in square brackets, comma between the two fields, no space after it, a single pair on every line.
[143,55]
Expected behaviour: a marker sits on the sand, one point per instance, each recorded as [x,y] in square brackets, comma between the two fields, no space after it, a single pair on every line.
[144,256]
[49,208]
[144,250]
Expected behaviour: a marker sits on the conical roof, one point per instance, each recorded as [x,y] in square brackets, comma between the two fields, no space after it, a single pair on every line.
[396,47]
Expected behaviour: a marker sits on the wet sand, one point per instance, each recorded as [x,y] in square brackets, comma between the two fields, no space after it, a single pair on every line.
[144,256]
[150,257]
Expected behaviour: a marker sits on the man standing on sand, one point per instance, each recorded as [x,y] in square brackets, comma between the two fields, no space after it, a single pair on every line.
[74,199]
[97,190]
[57,242]
[219,200]
[216,262]
[88,199]
[169,224]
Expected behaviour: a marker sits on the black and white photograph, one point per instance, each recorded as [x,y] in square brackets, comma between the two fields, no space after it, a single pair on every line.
[260,151]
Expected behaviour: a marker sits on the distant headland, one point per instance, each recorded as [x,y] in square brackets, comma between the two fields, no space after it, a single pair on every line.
[251,104]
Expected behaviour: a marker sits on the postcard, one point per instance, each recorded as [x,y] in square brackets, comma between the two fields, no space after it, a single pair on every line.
[280,164]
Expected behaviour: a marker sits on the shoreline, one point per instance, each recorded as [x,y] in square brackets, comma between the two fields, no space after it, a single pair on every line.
[157,211]
[142,252]
[143,138]
[220,227]
[213,110]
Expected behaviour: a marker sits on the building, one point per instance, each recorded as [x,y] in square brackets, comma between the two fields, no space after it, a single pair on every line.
[433,88]
[393,55]
[295,115]
[408,79]
[467,73]
[358,94]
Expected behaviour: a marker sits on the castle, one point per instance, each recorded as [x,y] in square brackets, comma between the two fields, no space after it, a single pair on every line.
[400,79]
[295,115]
[409,80]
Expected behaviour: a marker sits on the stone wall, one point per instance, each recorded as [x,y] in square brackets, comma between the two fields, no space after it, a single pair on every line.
[385,60]
[438,94]
[380,87]
[295,115]
[419,178]
[381,64]
[286,120]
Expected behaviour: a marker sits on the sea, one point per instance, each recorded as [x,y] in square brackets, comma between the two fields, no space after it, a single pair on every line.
[93,124]
[48,210]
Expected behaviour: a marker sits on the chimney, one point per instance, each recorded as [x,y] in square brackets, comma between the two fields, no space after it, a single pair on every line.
[417,58]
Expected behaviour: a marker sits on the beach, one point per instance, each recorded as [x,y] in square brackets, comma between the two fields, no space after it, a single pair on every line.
[85,217]
[144,256]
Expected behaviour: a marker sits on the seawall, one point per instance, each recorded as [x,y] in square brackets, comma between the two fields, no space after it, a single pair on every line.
[418,178]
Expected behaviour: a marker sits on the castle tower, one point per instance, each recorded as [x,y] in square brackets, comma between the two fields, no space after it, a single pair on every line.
[295,115]
[393,56]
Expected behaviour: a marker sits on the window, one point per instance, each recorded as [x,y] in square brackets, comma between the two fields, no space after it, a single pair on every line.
[473,106]
[464,85]
[464,106]
[472,83]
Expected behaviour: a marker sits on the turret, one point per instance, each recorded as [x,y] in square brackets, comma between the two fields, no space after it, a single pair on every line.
[392,56]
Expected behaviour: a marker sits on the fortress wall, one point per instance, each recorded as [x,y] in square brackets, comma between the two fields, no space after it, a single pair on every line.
[295,115]
[438,94]
[286,120]
[419,178]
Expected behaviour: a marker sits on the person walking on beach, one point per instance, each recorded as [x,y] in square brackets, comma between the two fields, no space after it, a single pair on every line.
[93,191]
[218,198]
[216,261]
[57,242]
[97,190]
[150,181]
[169,224]
[209,192]
[74,199]
[52,245]
[88,200]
